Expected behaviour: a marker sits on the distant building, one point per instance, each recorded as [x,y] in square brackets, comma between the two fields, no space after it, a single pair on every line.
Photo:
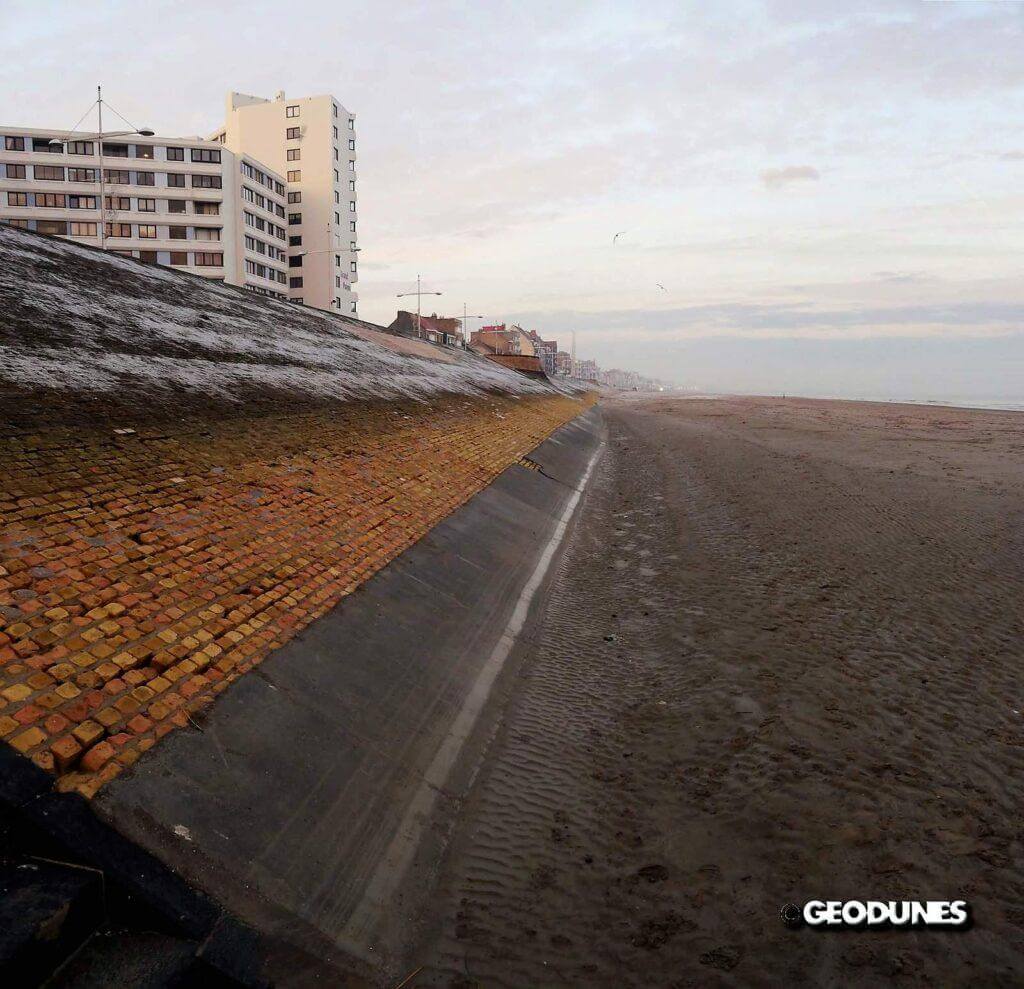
[587,370]
[311,141]
[167,200]
[546,351]
[563,362]
[509,341]
[433,328]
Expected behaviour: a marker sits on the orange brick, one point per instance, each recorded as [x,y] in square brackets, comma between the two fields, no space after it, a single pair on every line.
[66,751]
[88,733]
[97,757]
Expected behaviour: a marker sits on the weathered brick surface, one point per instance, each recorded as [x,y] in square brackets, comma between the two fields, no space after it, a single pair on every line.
[142,572]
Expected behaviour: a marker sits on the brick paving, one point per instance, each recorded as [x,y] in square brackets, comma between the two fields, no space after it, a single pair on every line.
[143,570]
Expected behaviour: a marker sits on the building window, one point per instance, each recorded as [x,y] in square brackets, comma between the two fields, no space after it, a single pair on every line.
[147,205]
[351,123]
[337,260]
[82,229]
[294,197]
[179,257]
[43,144]
[295,241]
[335,133]
[116,176]
[81,202]
[351,185]
[51,200]
[353,309]
[117,202]
[81,174]
[150,257]
[177,233]
[295,176]
[145,178]
[352,267]
[294,219]
[351,145]
[56,228]
[80,148]
[208,259]
[20,224]
[351,245]
[207,209]
[147,231]
[175,154]
[143,150]
[295,261]
[291,111]
[15,171]
[294,154]
[352,226]
[115,150]
[17,199]
[352,206]
[351,164]
[206,182]
[207,233]
[209,155]
[175,205]
[336,157]
[295,282]
[175,181]
[291,134]
[14,144]
[49,173]
[118,229]
[337,177]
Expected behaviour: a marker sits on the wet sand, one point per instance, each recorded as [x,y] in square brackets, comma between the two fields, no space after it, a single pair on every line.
[781,661]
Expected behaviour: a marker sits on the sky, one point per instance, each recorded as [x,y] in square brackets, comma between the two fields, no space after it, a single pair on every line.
[819,198]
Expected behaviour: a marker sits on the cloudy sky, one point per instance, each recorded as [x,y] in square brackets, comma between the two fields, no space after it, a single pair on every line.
[814,197]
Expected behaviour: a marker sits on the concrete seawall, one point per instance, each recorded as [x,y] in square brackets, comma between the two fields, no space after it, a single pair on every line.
[313,800]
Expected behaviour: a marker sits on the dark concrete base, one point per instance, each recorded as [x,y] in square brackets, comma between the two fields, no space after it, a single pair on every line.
[314,799]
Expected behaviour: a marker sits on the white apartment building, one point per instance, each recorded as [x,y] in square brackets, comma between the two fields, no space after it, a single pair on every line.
[312,142]
[185,202]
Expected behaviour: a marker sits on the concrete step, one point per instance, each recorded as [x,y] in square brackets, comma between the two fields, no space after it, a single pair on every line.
[142,960]
[47,910]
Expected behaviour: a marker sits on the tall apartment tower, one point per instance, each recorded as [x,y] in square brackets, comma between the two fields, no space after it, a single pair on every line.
[312,142]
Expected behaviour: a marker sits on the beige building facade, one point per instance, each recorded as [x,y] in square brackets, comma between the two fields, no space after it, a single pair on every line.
[182,202]
[311,141]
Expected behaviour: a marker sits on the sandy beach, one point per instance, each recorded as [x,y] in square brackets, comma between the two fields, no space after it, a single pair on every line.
[781,661]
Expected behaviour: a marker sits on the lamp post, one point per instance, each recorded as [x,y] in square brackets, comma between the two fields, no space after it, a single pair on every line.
[465,320]
[98,138]
[418,293]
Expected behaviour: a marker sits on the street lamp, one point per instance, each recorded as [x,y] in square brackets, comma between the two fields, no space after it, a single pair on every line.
[98,138]
[465,318]
[419,292]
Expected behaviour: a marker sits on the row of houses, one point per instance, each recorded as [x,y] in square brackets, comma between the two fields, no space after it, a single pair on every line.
[524,350]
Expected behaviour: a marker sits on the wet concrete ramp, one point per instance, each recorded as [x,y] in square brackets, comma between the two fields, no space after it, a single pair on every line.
[313,799]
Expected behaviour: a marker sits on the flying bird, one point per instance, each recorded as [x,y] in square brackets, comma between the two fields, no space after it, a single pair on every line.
[662,287]
[617,236]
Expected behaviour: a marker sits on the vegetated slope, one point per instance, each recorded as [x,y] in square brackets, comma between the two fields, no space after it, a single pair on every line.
[101,326]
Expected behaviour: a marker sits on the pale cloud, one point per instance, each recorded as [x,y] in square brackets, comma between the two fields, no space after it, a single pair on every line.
[777,178]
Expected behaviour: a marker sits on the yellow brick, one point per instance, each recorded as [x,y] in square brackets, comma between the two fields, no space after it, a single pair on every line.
[17,693]
[28,740]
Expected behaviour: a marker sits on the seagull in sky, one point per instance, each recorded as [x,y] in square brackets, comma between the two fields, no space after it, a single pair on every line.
[617,236]
[662,287]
